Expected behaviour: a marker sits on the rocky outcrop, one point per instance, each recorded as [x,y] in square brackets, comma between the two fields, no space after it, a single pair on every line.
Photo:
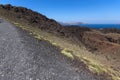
[31,18]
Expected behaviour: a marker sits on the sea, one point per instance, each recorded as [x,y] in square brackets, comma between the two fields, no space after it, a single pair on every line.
[101,26]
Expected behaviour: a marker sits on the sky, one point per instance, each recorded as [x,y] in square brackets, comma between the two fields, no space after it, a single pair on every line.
[86,11]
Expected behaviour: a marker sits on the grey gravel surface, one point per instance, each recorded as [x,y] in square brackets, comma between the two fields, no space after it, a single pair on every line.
[24,58]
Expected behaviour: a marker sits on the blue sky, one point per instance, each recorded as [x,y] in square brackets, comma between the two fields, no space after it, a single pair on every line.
[87,11]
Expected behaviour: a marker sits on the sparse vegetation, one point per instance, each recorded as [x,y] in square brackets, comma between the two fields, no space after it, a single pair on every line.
[43,30]
[93,65]
[67,53]
[38,37]
[100,69]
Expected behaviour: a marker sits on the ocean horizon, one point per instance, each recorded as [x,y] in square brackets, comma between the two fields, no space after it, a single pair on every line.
[100,26]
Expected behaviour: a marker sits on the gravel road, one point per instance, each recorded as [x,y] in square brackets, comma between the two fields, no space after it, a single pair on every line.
[24,58]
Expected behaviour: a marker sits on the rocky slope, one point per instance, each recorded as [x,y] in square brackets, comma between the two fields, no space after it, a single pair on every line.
[82,34]
[103,43]
[22,57]
[28,17]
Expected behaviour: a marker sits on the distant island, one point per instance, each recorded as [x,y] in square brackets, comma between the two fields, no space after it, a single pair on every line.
[96,26]
[71,23]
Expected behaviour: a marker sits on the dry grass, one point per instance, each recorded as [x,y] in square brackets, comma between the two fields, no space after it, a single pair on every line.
[95,63]
[68,53]
[69,50]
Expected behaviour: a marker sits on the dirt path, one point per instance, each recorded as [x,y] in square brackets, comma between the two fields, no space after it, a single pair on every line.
[24,58]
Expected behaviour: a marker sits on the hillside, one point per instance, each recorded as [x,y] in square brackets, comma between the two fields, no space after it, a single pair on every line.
[98,49]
